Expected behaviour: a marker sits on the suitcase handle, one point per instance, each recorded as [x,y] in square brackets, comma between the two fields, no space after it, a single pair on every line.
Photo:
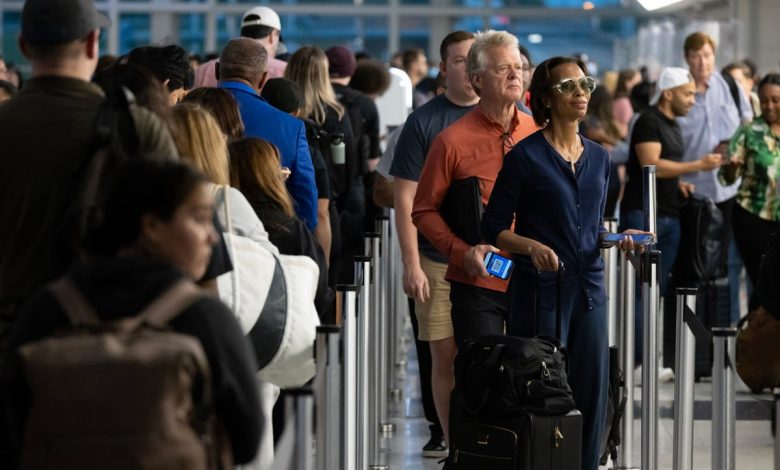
[558,283]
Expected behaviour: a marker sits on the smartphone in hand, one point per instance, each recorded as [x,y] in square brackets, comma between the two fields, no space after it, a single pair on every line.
[723,149]
[498,265]
[640,239]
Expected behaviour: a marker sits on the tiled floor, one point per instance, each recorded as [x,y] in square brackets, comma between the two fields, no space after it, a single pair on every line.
[754,440]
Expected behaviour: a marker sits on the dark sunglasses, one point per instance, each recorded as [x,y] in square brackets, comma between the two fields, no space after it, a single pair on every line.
[569,86]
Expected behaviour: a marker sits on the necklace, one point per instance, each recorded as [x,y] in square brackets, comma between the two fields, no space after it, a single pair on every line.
[570,158]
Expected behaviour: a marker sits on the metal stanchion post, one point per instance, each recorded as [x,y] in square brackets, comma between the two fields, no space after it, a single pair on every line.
[349,384]
[327,385]
[299,410]
[649,274]
[364,437]
[380,246]
[610,256]
[391,337]
[650,359]
[723,398]
[374,356]
[627,342]
[397,346]
[683,386]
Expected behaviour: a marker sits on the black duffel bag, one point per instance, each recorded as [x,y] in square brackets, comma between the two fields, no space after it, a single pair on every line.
[508,375]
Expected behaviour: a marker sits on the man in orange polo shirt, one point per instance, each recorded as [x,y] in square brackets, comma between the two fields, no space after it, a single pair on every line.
[475,145]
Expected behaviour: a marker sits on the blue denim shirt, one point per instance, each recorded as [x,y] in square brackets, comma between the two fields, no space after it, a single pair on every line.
[289,134]
[553,206]
[712,119]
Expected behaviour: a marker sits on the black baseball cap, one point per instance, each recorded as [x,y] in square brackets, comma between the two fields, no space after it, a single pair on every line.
[48,22]
[283,94]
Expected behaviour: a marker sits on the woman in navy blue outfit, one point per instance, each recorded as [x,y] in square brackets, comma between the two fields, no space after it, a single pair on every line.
[554,184]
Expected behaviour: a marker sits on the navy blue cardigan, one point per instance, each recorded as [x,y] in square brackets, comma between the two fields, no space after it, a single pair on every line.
[553,206]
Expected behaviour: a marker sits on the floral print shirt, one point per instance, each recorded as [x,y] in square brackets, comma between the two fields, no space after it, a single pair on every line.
[758,149]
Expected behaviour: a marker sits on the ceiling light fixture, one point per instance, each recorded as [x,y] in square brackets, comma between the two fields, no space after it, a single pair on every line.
[651,5]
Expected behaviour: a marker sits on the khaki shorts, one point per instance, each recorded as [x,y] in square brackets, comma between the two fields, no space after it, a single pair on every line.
[433,316]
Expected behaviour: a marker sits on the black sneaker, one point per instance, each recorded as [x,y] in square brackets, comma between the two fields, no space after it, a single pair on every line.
[436,447]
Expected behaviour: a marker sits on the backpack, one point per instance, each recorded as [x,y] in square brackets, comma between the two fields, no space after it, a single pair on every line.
[319,143]
[115,141]
[130,393]
[702,254]
[358,122]
[508,375]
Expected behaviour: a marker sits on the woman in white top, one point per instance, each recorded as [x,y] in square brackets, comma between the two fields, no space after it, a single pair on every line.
[202,142]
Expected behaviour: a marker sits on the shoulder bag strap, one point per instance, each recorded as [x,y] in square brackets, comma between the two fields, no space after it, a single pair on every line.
[231,248]
[78,310]
[226,208]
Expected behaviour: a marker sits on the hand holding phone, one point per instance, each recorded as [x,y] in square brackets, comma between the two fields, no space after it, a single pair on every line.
[498,265]
[723,150]
[639,239]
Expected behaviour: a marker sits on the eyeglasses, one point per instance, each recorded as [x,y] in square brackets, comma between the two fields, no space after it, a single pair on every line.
[569,86]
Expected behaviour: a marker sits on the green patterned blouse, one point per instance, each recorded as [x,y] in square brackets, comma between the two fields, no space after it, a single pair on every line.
[758,148]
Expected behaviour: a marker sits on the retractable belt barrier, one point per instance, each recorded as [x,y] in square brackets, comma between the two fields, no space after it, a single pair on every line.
[357,361]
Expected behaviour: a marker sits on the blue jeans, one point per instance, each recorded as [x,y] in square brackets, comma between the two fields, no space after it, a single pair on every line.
[668,243]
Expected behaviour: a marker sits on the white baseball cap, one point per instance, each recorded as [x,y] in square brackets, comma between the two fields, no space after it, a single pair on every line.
[265,17]
[671,77]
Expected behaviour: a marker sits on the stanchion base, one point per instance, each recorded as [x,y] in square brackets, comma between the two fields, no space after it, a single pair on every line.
[379,467]
[387,428]
[395,394]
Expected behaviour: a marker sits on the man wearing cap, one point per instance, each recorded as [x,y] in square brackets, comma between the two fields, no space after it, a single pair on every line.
[261,24]
[712,121]
[48,134]
[656,139]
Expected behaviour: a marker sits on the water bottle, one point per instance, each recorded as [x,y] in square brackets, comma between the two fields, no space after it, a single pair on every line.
[337,149]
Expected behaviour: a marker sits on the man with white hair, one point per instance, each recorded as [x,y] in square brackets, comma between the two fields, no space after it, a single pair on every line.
[264,26]
[474,146]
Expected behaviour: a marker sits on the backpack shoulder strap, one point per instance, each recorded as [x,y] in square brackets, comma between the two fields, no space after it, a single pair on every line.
[78,310]
[170,303]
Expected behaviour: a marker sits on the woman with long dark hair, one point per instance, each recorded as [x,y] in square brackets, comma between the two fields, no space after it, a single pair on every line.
[255,170]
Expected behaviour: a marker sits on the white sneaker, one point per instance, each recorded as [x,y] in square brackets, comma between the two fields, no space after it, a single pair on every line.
[665,374]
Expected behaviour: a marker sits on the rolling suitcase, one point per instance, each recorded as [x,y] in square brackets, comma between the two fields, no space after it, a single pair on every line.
[525,419]
[524,442]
